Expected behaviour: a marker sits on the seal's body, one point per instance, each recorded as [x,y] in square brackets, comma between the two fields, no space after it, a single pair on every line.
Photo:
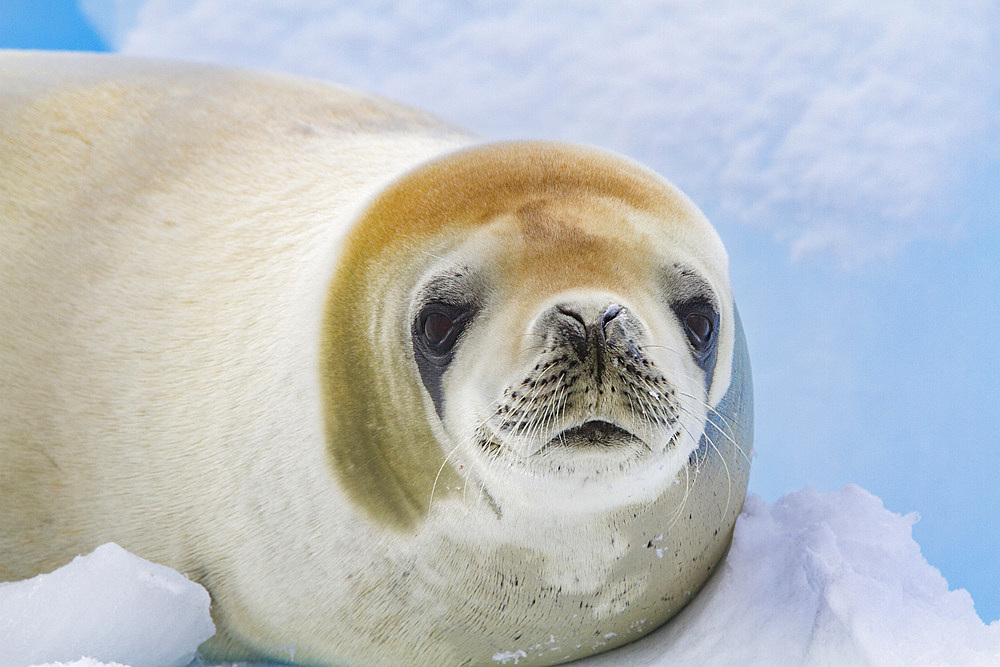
[390,396]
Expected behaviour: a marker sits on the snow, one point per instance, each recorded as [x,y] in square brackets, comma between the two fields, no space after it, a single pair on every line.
[812,579]
[822,579]
[110,607]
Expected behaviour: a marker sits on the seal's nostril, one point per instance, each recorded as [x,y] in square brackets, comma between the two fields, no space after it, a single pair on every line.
[577,335]
[610,313]
[583,334]
[573,314]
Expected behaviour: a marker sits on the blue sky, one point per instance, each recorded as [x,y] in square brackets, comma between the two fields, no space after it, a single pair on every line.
[850,160]
[53,24]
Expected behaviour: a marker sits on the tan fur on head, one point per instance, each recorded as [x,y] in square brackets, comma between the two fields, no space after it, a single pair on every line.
[574,217]
[211,290]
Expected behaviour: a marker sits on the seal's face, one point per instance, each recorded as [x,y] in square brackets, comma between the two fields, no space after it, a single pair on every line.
[568,349]
[549,325]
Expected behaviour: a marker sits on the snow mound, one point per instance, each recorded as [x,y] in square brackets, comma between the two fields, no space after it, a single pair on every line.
[814,579]
[109,607]
[822,579]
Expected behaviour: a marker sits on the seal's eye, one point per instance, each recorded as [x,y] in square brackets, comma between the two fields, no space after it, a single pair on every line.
[699,329]
[437,326]
[437,329]
[700,320]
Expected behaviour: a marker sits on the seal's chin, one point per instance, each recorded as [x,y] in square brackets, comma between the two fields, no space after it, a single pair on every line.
[594,434]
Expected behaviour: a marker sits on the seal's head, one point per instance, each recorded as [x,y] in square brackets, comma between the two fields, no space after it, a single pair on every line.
[554,324]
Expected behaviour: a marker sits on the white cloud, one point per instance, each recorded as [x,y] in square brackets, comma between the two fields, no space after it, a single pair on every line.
[843,128]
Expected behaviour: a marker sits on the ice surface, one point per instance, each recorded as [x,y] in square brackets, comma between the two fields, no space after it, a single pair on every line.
[110,606]
[813,579]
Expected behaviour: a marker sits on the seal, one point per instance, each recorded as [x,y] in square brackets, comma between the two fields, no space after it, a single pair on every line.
[390,394]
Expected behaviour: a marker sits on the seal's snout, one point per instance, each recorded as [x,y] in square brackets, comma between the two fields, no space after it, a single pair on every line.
[588,329]
[583,335]
[592,385]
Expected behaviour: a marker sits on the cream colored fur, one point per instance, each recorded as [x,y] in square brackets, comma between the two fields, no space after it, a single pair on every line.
[168,234]
[162,275]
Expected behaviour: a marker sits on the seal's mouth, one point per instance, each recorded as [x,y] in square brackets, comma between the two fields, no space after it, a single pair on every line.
[594,433]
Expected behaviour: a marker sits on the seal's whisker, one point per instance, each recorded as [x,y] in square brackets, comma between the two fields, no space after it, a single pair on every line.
[712,412]
[430,501]
[678,511]
[729,476]
[711,409]
[690,479]
[726,429]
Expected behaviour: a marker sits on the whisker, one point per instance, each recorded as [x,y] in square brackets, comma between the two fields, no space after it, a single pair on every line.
[438,476]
